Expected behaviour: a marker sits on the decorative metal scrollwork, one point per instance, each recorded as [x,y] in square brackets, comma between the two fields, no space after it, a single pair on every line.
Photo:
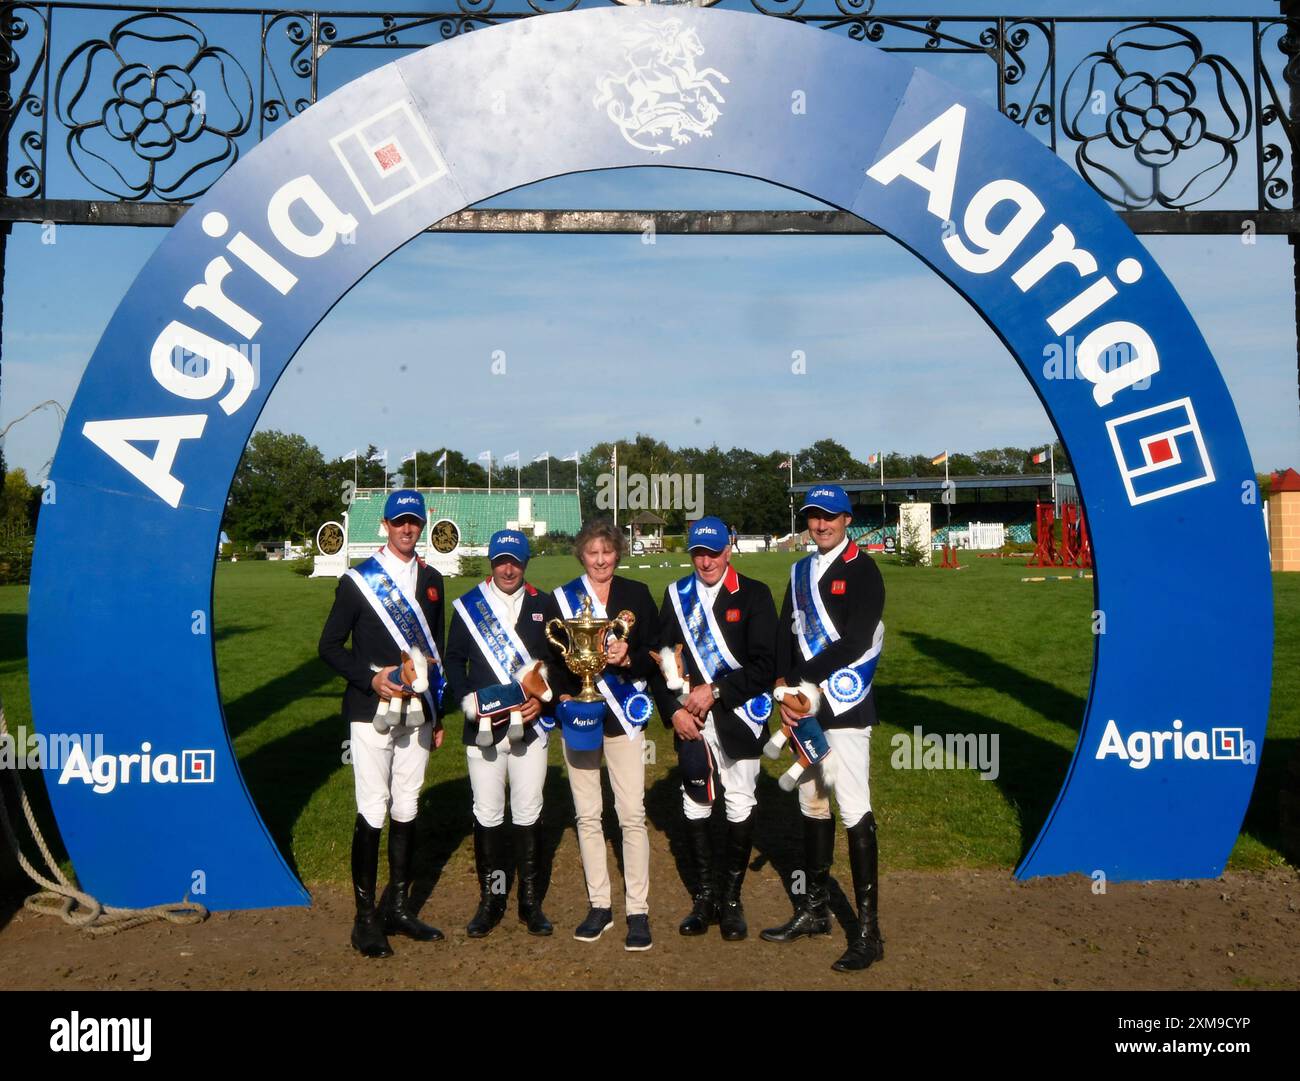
[24,112]
[1157,118]
[153,109]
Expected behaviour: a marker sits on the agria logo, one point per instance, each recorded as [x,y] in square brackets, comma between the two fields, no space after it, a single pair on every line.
[1139,749]
[106,771]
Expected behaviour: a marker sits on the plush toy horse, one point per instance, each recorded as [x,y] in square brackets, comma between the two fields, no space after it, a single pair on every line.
[674,670]
[810,745]
[490,703]
[410,680]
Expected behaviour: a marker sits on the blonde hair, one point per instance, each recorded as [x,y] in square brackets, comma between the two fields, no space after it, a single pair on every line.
[599,529]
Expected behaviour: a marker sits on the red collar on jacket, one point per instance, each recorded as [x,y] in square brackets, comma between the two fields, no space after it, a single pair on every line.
[731,580]
[850,552]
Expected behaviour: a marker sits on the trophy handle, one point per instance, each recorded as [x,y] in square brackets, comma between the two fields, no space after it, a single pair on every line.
[625,622]
[564,650]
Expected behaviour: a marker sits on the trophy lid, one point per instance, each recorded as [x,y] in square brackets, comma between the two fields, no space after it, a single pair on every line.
[586,617]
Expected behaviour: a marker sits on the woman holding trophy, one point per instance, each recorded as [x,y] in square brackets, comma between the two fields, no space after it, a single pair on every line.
[611,625]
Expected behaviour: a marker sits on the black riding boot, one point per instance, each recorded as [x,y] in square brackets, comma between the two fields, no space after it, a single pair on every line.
[812,914]
[491,880]
[367,930]
[740,837]
[528,847]
[865,944]
[398,918]
[705,909]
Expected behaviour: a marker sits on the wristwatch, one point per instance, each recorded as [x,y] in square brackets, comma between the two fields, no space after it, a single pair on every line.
[717,691]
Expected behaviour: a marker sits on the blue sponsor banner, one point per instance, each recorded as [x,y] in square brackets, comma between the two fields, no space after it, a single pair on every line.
[174,389]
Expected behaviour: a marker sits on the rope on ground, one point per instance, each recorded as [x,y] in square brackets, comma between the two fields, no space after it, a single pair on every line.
[61,897]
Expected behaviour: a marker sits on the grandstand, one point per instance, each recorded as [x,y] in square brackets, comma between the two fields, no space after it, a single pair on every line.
[477,512]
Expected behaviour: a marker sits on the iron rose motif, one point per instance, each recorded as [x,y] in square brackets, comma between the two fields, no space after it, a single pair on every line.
[1155,100]
[153,109]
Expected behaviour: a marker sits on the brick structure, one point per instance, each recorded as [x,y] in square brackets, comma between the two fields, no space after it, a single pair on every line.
[1284,520]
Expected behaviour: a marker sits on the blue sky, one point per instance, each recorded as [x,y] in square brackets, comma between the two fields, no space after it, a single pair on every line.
[614,331]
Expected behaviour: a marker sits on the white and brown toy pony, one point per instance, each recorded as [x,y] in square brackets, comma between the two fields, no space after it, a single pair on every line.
[491,704]
[670,663]
[410,680]
[810,746]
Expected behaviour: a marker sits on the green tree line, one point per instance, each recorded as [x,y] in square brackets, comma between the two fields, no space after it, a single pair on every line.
[284,487]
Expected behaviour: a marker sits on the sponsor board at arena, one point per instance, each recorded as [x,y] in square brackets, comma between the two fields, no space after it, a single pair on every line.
[149,447]
[105,772]
[1141,747]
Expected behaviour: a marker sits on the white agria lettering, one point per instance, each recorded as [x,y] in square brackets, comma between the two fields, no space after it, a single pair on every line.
[985,249]
[197,366]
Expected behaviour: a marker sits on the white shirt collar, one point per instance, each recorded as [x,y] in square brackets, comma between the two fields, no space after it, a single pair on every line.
[511,601]
[709,593]
[825,559]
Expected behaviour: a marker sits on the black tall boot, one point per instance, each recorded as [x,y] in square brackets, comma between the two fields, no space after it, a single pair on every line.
[491,880]
[705,909]
[528,847]
[398,918]
[812,915]
[865,944]
[367,930]
[740,838]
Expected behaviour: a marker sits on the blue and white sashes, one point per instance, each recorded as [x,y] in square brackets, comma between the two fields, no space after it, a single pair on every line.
[400,615]
[845,687]
[626,698]
[712,655]
[497,640]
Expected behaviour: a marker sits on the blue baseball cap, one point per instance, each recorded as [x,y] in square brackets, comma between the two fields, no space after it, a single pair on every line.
[405,503]
[710,533]
[828,497]
[508,542]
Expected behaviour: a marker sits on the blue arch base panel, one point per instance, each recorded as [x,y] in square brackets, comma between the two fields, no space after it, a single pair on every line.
[1165,761]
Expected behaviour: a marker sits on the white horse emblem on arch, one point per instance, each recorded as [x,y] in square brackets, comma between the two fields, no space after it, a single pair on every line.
[662,93]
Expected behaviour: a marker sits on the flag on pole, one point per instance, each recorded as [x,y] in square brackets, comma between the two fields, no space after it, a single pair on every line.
[571,458]
[382,456]
[940,459]
[409,458]
[874,458]
[441,461]
[349,457]
[510,459]
[545,456]
[1040,457]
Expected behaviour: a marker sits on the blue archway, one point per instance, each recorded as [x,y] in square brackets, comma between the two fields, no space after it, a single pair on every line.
[1164,766]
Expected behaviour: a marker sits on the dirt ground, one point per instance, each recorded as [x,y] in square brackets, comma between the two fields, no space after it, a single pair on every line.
[957,929]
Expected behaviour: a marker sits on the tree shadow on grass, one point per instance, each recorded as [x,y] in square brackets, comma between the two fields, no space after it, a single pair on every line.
[298,684]
[1036,694]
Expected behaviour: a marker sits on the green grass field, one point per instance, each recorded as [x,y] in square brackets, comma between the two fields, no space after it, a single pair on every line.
[974,651]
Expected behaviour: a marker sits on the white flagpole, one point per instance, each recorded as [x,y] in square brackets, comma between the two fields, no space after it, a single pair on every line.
[790,462]
[880,460]
[444,470]
[548,472]
[616,484]
[1051,458]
